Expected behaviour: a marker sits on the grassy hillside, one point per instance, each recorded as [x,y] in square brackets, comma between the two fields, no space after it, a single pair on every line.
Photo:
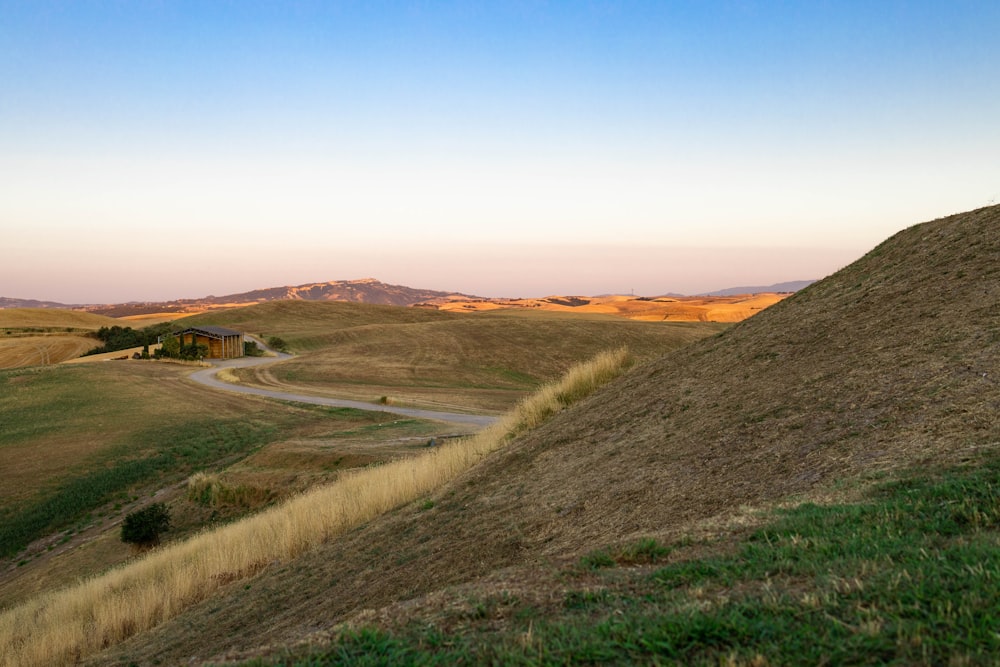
[66,625]
[888,368]
[42,336]
[81,445]
[299,322]
[484,361]
[13,319]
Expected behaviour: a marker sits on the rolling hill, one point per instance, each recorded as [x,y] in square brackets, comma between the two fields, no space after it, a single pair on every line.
[790,286]
[486,361]
[365,290]
[890,365]
[41,336]
[730,305]
[729,308]
[10,302]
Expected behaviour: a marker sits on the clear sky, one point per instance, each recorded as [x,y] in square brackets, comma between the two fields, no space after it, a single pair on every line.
[157,150]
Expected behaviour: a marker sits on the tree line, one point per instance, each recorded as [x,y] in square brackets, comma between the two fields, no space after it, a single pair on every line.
[117,338]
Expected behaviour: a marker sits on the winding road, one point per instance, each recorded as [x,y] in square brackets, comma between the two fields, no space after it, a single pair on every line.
[208,378]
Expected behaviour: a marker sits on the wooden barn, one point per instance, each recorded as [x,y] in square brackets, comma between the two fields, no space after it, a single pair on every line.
[222,343]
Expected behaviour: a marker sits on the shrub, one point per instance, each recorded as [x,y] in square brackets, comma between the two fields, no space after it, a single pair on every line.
[203,488]
[278,344]
[143,527]
[171,348]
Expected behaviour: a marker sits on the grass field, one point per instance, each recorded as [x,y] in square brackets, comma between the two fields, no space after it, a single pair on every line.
[105,610]
[907,574]
[659,309]
[13,319]
[80,443]
[82,446]
[484,361]
[42,336]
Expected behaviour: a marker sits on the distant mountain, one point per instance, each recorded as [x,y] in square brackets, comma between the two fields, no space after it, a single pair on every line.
[792,286]
[365,290]
[7,302]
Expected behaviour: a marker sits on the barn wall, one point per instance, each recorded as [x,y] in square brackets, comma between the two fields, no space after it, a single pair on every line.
[218,348]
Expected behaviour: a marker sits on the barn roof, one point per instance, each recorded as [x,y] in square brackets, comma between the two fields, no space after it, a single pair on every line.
[212,331]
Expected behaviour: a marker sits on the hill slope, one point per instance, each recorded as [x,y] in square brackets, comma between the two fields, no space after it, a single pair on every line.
[52,318]
[893,361]
[790,286]
[365,290]
[42,336]
[486,361]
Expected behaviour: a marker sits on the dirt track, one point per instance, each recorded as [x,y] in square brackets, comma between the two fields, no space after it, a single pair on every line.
[208,378]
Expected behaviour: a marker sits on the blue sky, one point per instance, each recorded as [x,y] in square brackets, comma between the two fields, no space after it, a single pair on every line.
[154,150]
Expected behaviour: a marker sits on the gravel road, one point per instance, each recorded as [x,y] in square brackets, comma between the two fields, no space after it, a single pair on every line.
[208,378]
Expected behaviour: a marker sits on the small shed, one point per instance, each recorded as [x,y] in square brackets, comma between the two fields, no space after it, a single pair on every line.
[222,343]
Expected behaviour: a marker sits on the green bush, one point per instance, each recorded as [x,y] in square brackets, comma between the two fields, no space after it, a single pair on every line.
[143,527]
[122,338]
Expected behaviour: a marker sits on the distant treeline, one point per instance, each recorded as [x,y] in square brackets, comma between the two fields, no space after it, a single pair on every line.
[122,338]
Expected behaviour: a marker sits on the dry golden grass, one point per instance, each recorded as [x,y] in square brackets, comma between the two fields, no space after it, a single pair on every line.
[63,627]
[661,309]
[20,351]
[430,359]
[43,336]
[209,489]
[52,318]
[149,319]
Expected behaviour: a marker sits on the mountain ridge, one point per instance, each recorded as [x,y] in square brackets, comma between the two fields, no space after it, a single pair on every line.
[789,286]
[363,290]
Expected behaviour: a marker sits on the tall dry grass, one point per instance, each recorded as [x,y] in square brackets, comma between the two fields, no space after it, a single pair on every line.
[207,489]
[65,626]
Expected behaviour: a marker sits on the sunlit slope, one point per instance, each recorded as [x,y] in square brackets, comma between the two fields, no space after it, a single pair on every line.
[76,438]
[52,318]
[41,336]
[299,323]
[893,361]
[484,361]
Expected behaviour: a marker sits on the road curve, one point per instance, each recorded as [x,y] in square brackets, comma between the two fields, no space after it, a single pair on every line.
[208,378]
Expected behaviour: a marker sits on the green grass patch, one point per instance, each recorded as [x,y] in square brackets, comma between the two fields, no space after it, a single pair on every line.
[33,396]
[173,453]
[911,575]
[74,438]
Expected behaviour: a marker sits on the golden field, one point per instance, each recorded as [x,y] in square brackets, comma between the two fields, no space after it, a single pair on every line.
[648,309]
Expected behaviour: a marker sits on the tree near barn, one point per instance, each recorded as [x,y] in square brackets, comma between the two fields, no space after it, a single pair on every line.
[170,348]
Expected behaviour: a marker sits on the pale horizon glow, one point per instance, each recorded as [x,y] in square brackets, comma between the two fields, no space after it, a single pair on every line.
[158,151]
